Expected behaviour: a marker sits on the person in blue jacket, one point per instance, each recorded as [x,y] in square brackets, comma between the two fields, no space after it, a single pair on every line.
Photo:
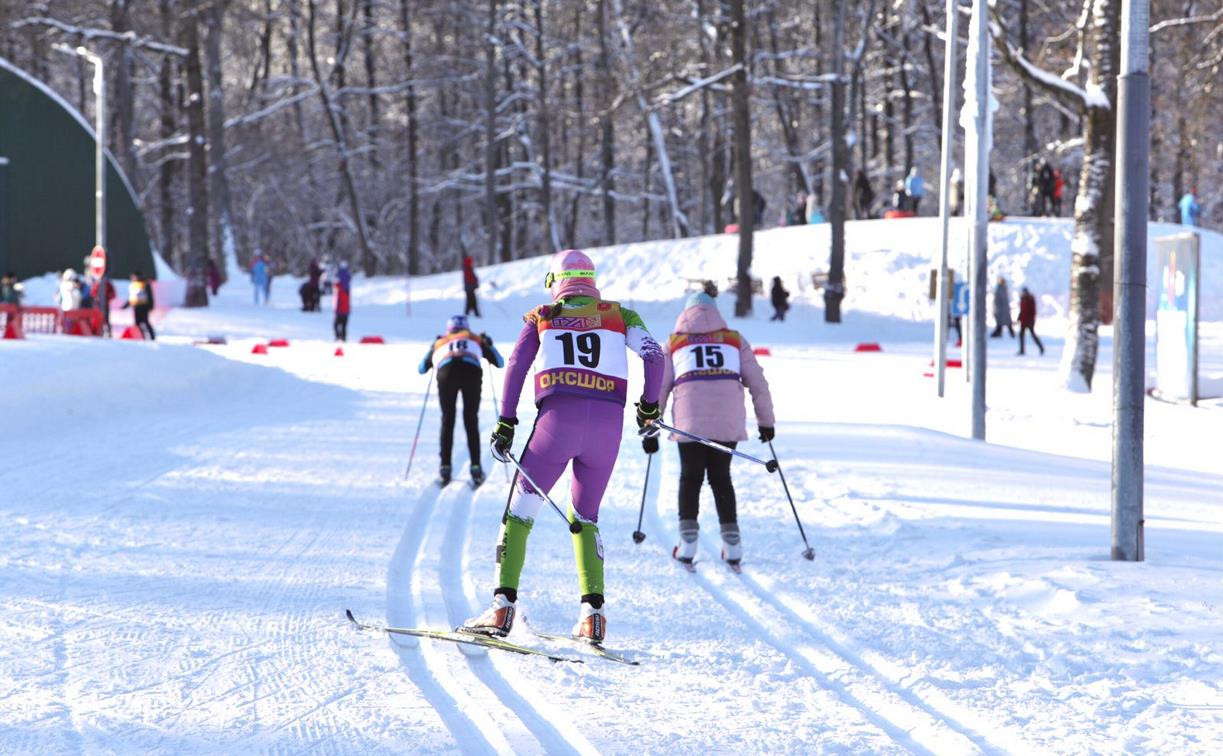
[915,188]
[1191,211]
[456,354]
[261,278]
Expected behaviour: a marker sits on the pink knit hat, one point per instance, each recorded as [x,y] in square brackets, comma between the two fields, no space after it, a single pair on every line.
[571,273]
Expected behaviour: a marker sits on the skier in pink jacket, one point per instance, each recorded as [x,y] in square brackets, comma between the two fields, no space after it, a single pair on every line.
[706,368]
[581,387]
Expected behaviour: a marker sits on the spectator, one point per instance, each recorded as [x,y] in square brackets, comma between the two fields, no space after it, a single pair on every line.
[85,293]
[796,214]
[329,273]
[779,295]
[310,289]
[11,290]
[1048,187]
[1002,310]
[900,198]
[140,299]
[470,284]
[343,302]
[814,213]
[864,196]
[1027,318]
[915,188]
[955,203]
[758,204]
[1036,195]
[261,278]
[1191,211]
[1058,186]
[214,276]
[102,299]
[68,293]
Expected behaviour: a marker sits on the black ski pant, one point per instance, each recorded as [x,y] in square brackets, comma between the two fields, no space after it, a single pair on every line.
[142,321]
[696,463]
[453,378]
[997,333]
[471,308]
[1035,338]
[341,326]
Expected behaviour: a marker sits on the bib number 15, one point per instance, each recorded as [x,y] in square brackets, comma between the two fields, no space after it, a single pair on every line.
[582,348]
[709,356]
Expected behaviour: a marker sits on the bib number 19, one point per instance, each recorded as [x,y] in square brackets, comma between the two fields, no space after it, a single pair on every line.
[580,348]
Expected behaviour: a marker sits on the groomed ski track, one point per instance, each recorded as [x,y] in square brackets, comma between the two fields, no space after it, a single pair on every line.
[485,704]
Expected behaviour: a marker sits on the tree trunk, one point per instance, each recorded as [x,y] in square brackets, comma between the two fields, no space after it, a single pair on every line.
[167,127]
[1091,247]
[368,261]
[218,163]
[490,133]
[607,154]
[545,131]
[743,158]
[124,97]
[413,252]
[371,78]
[679,222]
[197,139]
[834,290]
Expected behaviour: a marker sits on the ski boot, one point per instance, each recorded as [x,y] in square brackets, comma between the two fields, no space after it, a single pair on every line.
[732,547]
[443,476]
[591,626]
[477,476]
[496,621]
[685,552]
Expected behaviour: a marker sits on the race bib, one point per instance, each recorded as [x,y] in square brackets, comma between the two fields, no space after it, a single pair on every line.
[456,345]
[705,356]
[583,352]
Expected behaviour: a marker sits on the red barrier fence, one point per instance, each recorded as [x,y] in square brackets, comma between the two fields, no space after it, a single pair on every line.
[49,320]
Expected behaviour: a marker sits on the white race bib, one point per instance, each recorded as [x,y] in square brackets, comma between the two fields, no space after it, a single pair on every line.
[600,351]
[709,361]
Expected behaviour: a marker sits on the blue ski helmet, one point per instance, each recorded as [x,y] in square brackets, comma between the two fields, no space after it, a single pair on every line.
[457,323]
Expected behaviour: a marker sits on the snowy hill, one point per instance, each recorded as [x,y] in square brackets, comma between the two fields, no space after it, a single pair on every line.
[183,527]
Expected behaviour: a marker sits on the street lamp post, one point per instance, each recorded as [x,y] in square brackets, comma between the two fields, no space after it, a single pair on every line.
[99,158]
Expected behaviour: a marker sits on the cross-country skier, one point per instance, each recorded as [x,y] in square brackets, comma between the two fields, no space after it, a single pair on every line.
[708,367]
[581,386]
[456,355]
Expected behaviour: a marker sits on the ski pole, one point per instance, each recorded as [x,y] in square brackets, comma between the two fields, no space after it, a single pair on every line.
[423,405]
[638,536]
[769,464]
[492,384]
[808,553]
[574,525]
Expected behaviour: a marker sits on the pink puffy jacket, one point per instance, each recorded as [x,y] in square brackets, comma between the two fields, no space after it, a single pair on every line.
[715,409]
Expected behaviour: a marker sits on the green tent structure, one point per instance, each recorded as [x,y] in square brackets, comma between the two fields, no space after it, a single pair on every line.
[47,188]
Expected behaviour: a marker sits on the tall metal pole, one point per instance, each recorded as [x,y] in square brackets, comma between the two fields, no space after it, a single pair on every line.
[944,207]
[1129,290]
[99,159]
[979,141]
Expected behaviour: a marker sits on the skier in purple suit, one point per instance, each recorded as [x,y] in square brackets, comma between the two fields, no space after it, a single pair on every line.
[581,387]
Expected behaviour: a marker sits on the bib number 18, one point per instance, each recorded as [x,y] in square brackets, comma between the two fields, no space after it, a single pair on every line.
[582,348]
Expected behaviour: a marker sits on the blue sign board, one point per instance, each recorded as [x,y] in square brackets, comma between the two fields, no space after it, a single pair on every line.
[959,300]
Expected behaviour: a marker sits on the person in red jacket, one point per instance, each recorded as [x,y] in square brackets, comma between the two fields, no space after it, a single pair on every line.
[470,283]
[1027,318]
[343,303]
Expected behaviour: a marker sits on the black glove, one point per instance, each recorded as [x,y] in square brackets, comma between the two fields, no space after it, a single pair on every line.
[646,412]
[486,339]
[650,444]
[503,437]
[766,433]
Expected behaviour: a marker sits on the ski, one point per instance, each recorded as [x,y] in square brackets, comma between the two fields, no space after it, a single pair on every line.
[471,639]
[597,648]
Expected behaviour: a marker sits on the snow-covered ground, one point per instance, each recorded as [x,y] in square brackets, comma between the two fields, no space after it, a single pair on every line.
[182,527]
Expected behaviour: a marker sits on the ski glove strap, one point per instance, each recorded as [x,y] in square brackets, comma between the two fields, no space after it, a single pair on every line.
[503,437]
[766,433]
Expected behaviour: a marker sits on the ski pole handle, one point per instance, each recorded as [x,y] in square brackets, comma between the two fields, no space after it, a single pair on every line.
[769,464]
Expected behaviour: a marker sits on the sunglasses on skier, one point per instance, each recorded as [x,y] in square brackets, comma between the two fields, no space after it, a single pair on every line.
[552,278]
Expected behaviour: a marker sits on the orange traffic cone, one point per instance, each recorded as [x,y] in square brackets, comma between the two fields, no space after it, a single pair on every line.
[339,351]
[260,349]
[133,333]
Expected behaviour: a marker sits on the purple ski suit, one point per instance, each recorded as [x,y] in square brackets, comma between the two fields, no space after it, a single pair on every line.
[581,413]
